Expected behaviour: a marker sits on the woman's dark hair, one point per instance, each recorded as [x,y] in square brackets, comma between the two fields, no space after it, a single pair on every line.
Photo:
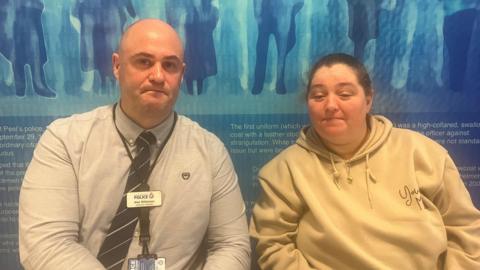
[348,60]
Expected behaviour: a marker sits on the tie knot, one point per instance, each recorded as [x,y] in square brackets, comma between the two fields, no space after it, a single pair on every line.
[146,138]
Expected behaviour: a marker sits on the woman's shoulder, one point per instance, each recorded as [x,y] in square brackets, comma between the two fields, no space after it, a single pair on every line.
[408,138]
[292,155]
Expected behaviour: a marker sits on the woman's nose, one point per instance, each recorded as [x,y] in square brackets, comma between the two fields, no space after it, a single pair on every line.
[331,103]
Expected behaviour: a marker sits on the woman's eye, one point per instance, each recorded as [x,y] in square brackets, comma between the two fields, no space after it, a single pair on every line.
[345,94]
[317,97]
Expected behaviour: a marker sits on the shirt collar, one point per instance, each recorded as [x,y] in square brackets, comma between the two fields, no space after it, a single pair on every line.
[130,130]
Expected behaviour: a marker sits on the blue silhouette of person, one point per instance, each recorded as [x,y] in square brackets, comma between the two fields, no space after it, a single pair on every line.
[200,55]
[174,11]
[22,43]
[392,44]
[101,24]
[461,37]
[277,18]
[5,32]
[68,46]
[472,73]
[425,66]
[363,24]
[6,35]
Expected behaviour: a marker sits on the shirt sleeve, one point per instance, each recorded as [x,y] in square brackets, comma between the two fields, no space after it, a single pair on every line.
[275,220]
[461,219]
[227,236]
[49,219]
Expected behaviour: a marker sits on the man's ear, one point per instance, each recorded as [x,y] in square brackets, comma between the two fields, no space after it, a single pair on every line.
[115,64]
[183,71]
[184,66]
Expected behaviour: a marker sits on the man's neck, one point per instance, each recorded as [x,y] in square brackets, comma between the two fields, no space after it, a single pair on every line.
[147,119]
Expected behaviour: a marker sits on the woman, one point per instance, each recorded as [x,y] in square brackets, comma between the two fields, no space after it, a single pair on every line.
[356,193]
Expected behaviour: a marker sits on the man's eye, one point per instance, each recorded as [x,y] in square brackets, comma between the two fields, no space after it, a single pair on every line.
[144,62]
[171,66]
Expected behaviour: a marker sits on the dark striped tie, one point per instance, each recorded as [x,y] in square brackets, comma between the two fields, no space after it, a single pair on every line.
[115,246]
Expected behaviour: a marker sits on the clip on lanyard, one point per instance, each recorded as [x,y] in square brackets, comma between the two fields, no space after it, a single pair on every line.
[144,219]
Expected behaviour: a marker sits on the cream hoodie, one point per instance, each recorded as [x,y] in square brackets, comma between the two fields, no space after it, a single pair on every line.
[398,203]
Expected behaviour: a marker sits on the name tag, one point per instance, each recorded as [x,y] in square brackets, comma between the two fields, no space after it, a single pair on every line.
[144,199]
[146,264]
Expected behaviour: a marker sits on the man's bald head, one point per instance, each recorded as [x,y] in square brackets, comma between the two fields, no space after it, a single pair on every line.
[134,33]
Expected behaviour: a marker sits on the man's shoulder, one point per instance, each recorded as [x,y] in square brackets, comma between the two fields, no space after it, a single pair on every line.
[82,122]
[191,129]
[187,124]
[94,115]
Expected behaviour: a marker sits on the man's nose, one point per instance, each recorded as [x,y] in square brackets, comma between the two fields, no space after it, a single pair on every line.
[156,74]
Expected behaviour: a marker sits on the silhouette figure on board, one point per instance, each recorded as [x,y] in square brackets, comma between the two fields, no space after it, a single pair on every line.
[22,43]
[68,46]
[277,18]
[101,25]
[200,55]
[461,32]
[472,74]
[393,44]
[6,41]
[362,24]
[175,11]
[424,71]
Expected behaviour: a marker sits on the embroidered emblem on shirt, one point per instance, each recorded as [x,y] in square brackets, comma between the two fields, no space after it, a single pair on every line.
[411,196]
[185,175]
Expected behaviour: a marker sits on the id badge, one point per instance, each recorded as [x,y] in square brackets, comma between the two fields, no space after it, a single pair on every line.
[146,264]
[144,199]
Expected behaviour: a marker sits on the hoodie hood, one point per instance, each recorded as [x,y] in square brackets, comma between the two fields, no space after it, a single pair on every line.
[380,128]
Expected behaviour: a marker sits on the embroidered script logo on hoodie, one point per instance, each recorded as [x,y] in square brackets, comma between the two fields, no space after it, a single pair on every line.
[411,196]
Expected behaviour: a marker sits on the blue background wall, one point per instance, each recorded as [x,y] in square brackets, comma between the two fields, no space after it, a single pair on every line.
[247,66]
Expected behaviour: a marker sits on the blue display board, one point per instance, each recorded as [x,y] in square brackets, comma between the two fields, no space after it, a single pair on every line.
[247,63]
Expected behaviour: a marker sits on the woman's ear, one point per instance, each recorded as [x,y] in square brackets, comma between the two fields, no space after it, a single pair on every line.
[369,100]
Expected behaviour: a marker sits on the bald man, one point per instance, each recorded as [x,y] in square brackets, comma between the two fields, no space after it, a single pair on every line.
[78,186]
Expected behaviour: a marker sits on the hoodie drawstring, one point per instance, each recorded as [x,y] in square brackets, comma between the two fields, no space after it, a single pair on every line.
[369,177]
[336,174]
[349,176]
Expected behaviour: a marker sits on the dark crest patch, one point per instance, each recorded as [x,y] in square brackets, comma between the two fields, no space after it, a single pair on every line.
[185,175]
